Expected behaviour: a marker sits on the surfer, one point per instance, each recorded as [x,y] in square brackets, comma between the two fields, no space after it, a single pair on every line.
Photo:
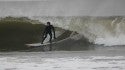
[48,30]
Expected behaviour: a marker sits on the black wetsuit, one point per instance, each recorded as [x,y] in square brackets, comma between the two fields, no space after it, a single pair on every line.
[48,30]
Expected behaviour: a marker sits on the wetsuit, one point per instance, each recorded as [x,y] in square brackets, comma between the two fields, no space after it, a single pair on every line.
[48,30]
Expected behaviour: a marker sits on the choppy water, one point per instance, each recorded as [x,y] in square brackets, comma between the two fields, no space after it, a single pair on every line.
[104,58]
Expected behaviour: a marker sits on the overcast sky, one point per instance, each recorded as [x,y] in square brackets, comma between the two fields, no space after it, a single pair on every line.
[62,8]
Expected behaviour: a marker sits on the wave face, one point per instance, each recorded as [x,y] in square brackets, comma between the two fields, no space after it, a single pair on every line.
[108,31]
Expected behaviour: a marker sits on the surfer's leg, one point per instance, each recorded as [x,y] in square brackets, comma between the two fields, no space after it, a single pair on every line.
[44,37]
[50,40]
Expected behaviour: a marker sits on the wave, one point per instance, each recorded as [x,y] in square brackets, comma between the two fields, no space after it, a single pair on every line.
[98,30]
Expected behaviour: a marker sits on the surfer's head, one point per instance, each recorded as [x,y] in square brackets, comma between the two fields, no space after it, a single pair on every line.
[48,23]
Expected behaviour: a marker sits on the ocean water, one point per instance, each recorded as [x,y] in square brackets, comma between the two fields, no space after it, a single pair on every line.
[99,45]
[100,58]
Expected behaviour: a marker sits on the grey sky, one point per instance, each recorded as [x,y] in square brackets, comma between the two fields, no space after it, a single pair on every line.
[62,7]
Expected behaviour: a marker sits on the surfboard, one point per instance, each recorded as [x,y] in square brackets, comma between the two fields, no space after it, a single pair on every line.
[39,44]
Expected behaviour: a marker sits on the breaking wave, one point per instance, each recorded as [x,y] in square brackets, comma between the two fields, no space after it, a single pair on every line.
[108,31]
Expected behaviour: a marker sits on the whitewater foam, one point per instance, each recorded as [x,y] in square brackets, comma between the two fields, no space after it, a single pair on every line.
[59,61]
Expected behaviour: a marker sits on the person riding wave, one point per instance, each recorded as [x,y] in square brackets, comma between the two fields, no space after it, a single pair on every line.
[48,30]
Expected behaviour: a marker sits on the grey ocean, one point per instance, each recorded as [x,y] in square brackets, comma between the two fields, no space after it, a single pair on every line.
[90,34]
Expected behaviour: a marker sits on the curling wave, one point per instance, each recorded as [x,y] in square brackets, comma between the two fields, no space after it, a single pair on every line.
[98,30]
